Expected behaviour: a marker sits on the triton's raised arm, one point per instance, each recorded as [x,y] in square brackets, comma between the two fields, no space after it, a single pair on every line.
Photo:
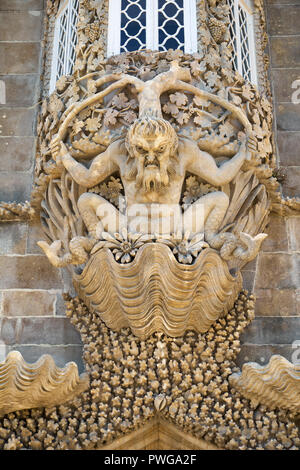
[203,164]
[102,166]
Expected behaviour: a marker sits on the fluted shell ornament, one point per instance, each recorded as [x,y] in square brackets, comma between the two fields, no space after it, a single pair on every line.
[42,384]
[155,292]
[276,385]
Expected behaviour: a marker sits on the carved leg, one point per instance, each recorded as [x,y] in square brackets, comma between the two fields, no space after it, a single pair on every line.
[206,214]
[99,215]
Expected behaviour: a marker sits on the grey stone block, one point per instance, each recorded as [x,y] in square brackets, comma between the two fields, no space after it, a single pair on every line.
[19,58]
[276,302]
[261,354]
[28,272]
[285,51]
[22,5]
[277,239]
[61,354]
[17,122]
[272,331]
[37,330]
[291,186]
[24,303]
[293,224]
[288,148]
[13,238]
[277,271]
[283,80]
[283,19]
[21,90]
[15,186]
[288,116]
[17,153]
[20,26]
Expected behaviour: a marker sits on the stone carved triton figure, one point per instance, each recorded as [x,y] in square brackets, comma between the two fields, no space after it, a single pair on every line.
[127,269]
[152,162]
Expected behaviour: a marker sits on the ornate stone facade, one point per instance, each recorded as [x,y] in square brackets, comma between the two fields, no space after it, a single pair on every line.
[160,314]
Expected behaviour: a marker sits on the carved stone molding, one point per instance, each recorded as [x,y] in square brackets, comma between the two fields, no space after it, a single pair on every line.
[276,385]
[37,385]
[157,293]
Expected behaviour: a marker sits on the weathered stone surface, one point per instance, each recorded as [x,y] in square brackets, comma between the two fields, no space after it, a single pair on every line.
[262,353]
[61,354]
[13,238]
[282,2]
[20,57]
[20,25]
[285,51]
[275,302]
[277,239]
[277,271]
[22,5]
[283,81]
[291,185]
[28,272]
[293,224]
[21,151]
[283,19]
[60,308]
[15,186]
[21,90]
[272,331]
[16,122]
[248,280]
[35,233]
[27,303]
[36,330]
[288,147]
[288,116]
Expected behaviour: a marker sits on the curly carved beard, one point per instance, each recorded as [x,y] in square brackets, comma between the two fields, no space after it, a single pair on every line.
[151,179]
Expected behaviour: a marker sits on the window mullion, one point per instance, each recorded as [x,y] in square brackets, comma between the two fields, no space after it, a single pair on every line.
[54,60]
[238,37]
[68,39]
[252,52]
[190,29]
[114,28]
[152,24]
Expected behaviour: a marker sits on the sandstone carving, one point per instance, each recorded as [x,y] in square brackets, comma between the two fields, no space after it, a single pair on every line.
[37,385]
[154,170]
[276,385]
[157,293]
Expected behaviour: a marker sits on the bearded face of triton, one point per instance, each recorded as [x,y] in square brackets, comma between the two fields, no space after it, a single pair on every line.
[151,144]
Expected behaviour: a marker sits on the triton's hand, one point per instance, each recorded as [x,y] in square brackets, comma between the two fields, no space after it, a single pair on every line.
[58,149]
[251,146]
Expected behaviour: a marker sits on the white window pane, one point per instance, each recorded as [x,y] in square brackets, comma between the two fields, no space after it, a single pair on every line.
[170,24]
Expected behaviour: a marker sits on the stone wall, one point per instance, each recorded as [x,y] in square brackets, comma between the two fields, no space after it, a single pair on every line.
[32,318]
[275,275]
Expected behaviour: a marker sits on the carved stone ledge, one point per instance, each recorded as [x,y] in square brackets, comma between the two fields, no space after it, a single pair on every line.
[42,384]
[13,211]
[276,385]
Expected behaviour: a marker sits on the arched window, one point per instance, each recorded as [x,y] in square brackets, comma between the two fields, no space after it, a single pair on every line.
[242,38]
[65,40]
[152,24]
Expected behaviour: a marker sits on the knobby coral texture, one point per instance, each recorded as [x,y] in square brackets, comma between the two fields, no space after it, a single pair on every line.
[189,375]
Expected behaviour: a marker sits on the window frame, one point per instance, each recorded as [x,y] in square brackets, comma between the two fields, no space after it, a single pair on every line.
[247,6]
[152,29]
[64,5]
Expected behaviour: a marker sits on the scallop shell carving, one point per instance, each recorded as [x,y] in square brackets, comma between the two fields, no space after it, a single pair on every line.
[156,293]
[41,384]
[276,385]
